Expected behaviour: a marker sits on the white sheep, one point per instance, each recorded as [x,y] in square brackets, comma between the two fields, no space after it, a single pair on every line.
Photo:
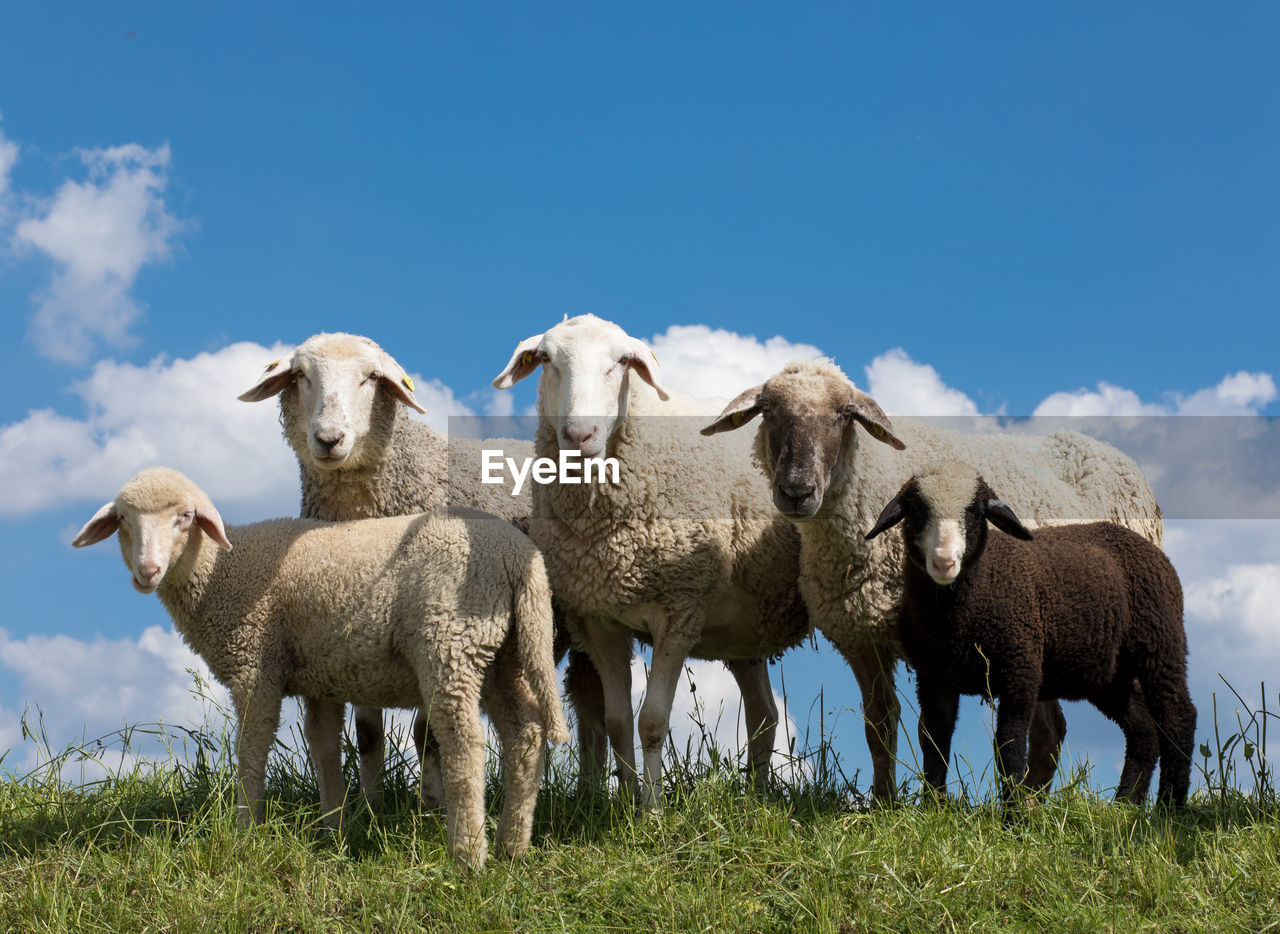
[683,550]
[434,610]
[1076,612]
[343,408]
[832,487]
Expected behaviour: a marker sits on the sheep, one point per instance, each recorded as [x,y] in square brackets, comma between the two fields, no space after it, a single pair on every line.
[832,486]
[1074,612]
[343,408]
[680,550]
[434,610]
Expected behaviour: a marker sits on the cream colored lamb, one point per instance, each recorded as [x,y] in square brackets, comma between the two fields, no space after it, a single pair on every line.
[344,404]
[437,610]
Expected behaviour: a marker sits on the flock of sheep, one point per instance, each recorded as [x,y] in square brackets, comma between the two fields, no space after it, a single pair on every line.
[410,583]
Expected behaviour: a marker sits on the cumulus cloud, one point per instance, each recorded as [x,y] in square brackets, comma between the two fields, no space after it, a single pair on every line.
[84,689]
[716,705]
[182,413]
[8,159]
[712,363]
[99,233]
[903,386]
[1242,393]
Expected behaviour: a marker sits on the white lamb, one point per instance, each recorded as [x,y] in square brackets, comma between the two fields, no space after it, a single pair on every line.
[832,486]
[434,610]
[344,405]
[684,550]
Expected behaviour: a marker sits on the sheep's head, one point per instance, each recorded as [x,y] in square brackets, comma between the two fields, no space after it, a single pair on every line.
[154,516]
[585,387]
[945,510]
[338,397]
[807,431]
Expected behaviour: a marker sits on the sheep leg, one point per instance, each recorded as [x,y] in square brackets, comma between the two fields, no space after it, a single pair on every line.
[1175,715]
[369,744]
[515,715]
[586,695]
[1048,729]
[258,719]
[1013,724]
[760,712]
[873,667]
[455,717]
[610,649]
[431,785]
[671,647]
[322,724]
[938,708]
[1141,743]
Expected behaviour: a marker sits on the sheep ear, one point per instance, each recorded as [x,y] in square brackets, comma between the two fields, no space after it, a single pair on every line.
[738,412]
[893,513]
[277,375]
[1004,519]
[397,382]
[208,519]
[523,362]
[865,410]
[644,362]
[103,525]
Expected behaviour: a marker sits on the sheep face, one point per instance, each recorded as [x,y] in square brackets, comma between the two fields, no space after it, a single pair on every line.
[585,386]
[807,435]
[153,516]
[944,510]
[338,398]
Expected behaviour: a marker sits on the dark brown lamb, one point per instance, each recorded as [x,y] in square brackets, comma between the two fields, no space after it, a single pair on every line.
[1075,614]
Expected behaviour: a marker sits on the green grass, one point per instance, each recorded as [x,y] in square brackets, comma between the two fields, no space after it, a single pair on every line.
[157,849]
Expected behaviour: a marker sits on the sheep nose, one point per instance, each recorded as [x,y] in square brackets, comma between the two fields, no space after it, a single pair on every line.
[943,565]
[580,438]
[798,491]
[147,573]
[330,441]
[795,499]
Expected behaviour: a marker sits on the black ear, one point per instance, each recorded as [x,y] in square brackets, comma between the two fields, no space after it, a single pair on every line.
[1004,519]
[890,516]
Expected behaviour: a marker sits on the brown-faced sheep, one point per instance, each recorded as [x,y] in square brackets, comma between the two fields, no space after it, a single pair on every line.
[435,610]
[831,483]
[1077,613]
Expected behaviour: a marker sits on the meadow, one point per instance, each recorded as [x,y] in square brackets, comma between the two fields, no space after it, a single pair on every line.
[156,847]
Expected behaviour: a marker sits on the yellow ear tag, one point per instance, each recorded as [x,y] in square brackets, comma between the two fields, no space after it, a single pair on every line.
[736,417]
[526,358]
[271,366]
[877,431]
[408,382]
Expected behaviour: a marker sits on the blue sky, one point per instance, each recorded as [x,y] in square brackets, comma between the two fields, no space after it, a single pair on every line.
[990,206]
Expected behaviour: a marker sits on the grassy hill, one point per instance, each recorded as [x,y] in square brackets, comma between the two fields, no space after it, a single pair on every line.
[157,848]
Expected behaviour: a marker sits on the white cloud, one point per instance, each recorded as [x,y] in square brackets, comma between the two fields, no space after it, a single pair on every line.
[717,705]
[8,159]
[712,363]
[99,233]
[1240,394]
[84,689]
[181,413]
[904,387]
